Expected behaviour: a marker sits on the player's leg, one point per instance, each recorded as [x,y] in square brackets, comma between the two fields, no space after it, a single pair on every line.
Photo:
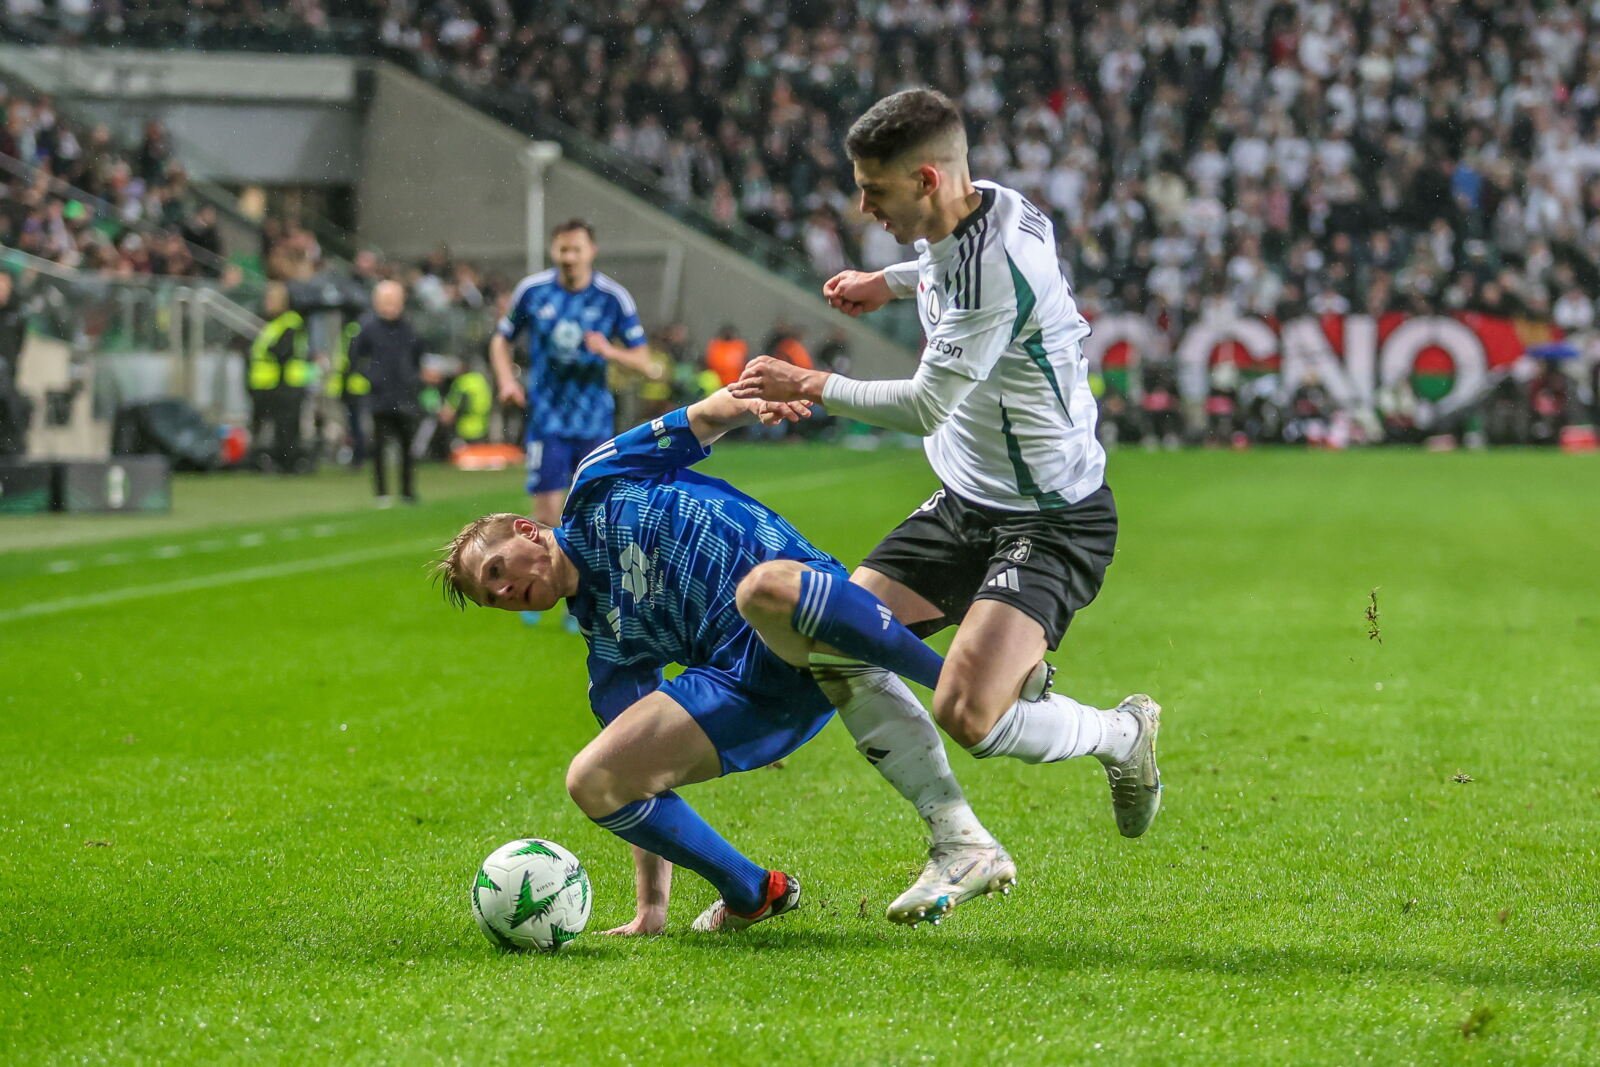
[891,730]
[1042,571]
[624,780]
[798,609]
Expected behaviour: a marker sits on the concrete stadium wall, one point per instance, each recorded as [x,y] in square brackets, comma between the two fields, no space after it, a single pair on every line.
[276,120]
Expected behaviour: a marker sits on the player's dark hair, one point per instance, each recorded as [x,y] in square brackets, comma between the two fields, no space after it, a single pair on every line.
[569,226]
[900,123]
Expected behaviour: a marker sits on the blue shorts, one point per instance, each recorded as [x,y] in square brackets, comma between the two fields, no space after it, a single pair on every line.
[754,707]
[551,460]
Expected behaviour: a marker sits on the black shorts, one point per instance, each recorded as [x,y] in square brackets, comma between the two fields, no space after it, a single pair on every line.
[1046,564]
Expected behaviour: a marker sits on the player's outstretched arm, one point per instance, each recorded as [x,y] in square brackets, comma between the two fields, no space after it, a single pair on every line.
[635,358]
[917,405]
[721,412]
[652,883]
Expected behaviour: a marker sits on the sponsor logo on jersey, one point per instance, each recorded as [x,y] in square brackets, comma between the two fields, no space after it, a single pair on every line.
[938,344]
[635,571]
[546,311]
[567,334]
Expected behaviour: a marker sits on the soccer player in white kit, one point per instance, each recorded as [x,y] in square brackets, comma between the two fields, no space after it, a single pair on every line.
[1019,537]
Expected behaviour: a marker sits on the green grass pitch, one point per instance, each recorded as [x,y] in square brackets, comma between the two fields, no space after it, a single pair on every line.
[249,763]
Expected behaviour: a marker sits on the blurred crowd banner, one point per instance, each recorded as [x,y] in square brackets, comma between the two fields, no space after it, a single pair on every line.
[1442,362]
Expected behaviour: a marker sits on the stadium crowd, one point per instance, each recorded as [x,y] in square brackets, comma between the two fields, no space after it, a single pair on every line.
[1278,156]
[72,196]
[1422,155]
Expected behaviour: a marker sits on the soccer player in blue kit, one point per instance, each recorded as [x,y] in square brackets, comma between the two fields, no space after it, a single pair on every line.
[650,557]
[576,322]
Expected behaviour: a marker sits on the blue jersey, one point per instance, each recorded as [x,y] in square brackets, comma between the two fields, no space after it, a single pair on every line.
[567,393]
[660,550]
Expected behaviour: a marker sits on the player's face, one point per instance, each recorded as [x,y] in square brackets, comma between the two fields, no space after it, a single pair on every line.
[516,574]
[897,194]
[572,253]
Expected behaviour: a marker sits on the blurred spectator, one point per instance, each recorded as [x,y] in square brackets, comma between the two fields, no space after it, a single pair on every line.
[388,353]
[784,343]
[726,354]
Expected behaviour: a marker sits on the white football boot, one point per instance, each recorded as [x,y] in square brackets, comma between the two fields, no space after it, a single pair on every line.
[783,895]
[954,875]
[1135,782]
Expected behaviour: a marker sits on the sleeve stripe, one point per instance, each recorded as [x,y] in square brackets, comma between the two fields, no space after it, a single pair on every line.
[624,297]
[969,269]
[605,451]
[978,266]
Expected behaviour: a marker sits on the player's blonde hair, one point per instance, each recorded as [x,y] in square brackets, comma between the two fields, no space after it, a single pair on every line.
[486,532]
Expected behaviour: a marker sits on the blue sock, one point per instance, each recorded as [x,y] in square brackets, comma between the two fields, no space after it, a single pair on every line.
[855,622]
[669,827]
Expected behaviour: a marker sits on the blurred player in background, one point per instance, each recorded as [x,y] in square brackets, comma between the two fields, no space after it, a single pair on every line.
[651,557]
[575,321]
[1018,539]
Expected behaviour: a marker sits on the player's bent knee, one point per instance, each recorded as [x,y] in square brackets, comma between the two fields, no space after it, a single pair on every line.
[964,715]
[593,786]
[769,591]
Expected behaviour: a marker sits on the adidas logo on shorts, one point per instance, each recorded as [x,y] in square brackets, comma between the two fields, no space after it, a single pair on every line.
[1006,579]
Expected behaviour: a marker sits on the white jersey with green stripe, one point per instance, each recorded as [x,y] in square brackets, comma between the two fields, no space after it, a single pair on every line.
[996,308]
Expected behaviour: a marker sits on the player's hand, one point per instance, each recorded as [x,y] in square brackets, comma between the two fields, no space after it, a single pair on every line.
[510,391]
[644,924]
[771,414]
[596,342]
[765,378]
[856,292]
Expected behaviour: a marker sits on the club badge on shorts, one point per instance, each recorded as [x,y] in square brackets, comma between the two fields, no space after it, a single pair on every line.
[1020,550]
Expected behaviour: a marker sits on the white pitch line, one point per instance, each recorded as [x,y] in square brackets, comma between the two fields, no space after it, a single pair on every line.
[209,581]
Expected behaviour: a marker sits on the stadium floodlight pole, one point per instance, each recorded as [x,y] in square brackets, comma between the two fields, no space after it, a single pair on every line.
[536,158]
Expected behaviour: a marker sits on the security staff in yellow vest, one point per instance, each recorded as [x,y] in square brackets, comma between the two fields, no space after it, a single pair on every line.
[467,407]
[280,373]
[352,387]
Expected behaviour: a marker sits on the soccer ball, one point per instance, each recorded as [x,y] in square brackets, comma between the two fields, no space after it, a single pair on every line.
[531,894]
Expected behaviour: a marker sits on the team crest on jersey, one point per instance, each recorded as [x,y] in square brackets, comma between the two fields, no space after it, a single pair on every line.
[933,301]
[1020,550]
[567,334]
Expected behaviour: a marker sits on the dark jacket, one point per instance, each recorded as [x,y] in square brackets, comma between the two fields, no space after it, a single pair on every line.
[389,354]
[13,331]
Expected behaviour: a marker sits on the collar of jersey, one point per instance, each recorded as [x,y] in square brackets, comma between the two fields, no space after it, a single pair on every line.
[578,564]
[944,245]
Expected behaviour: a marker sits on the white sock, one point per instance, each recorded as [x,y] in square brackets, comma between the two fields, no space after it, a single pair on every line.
[895,734]
[1057,728]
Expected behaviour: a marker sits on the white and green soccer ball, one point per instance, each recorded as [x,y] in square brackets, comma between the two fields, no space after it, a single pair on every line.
[531,894]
